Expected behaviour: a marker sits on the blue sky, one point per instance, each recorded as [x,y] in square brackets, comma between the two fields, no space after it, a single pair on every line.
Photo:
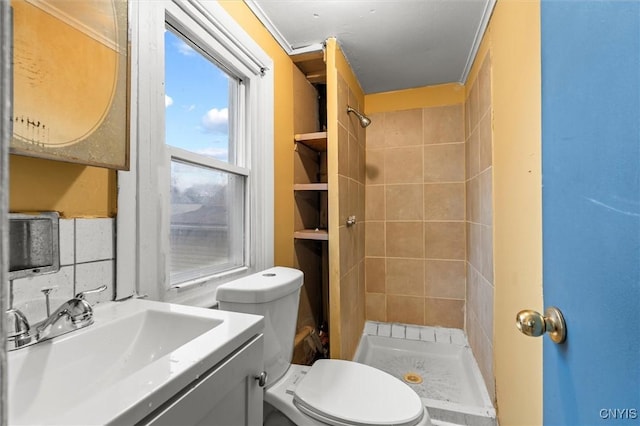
[196,100]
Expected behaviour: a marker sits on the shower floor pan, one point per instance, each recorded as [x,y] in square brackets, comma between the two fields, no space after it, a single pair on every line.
[437,363]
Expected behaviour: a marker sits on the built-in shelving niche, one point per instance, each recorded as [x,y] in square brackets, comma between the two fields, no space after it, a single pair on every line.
[311,194]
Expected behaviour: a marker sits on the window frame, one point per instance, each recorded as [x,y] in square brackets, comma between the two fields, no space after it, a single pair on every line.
[143,204]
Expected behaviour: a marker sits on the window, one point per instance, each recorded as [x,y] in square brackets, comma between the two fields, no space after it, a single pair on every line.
[197,207]
[203,101]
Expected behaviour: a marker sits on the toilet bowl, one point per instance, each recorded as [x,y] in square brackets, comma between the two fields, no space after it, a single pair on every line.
[330,392]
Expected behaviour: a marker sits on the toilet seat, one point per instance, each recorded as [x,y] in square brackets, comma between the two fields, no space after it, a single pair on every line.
[341,393]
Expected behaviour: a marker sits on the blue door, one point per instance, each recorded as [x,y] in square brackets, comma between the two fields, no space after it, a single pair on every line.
[591,209]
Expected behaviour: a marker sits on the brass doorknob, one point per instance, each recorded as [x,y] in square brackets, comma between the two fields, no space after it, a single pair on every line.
[534,324]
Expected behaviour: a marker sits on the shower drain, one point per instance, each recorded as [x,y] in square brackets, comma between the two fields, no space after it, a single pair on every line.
[412,378]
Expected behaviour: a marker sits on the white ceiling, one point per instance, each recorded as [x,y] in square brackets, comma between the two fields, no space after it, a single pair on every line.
[390,44]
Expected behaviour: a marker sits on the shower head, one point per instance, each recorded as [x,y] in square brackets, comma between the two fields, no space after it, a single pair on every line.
[364,120]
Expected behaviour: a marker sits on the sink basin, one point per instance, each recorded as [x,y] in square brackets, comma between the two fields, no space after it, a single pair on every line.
[136,355]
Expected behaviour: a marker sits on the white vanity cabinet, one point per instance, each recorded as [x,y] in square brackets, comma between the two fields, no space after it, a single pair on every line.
[228,394]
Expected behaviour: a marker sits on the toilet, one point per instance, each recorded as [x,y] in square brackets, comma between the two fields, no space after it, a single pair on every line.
[330,392]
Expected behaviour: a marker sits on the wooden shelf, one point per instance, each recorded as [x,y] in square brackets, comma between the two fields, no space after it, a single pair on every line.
[316,141]
[312,65]
[310,186]
[311,234]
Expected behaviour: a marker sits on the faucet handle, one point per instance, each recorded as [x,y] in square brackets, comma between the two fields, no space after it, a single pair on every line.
[82,294]
[18,329]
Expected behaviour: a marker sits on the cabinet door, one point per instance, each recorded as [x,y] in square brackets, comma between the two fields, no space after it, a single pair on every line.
[227,395]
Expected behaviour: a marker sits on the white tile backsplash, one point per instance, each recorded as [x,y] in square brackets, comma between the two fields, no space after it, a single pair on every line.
[94,240]
[28,296]
[87,261]
[67,241]
[93,275]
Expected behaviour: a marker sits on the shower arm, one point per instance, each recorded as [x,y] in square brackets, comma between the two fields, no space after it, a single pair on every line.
[364,120]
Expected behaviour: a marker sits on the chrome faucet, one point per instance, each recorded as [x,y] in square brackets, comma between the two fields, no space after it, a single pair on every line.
[73,314]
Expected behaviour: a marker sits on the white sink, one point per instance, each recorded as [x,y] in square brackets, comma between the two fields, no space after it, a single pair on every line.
[135,356]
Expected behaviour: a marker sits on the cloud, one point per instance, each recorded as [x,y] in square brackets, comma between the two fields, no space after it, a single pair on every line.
[216,120]
[190,108]
[168,101]
[184,48]
[218,153]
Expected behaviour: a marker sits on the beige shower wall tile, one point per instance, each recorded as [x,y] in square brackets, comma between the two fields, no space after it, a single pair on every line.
[474,245]
[343,99]
[484,87]
[374,239]
[375,131]
[404,202]
[375,202]
[443,124]
[374,168]
[376,307]
[480,301]
[444,201]
[467,116]
[486,253]
[362,170]
[375,273]
[482,351]
[473,200]
[361,281]
[348,248]
[351,315]
[444,163]
[445,240]
[343,199]
[404,239]
[343,151]
[444,312]
[354,200]
[445,279]
[486,197]
[472,155]
[403,128]
[473,106]
[405,277]
[360,238]
[354,158]
[403,165]
[485,143]
[360,211]
[405,309]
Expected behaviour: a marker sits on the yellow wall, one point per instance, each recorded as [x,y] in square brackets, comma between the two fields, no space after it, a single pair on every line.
[421,97]
[513,37]
[73,190]
[283,128]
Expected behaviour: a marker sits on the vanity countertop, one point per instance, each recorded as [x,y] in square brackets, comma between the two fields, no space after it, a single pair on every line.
[136,355]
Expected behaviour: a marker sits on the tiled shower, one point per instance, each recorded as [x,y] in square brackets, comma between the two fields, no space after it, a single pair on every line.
[428,246]
[415,212]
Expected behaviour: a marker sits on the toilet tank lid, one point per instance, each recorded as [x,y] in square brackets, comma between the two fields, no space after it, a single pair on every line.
[261,287]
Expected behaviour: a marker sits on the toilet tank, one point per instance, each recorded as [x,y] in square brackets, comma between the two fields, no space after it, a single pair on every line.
[273,293]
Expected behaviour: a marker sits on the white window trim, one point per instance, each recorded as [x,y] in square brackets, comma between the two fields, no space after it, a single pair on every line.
[142,221]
